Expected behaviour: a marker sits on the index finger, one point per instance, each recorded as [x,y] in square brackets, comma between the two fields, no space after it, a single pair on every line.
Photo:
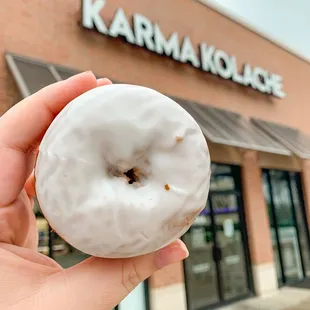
[23,126]
[24,123]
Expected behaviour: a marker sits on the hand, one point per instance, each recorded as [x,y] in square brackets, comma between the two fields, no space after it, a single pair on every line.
[32,281]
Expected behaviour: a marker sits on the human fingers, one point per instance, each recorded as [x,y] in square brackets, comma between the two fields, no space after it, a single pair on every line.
[30,183]
[30,186]
[17,223]
[103,81]
[23,126]
[101,284]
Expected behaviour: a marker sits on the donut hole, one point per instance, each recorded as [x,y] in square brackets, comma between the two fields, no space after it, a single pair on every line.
[132,175]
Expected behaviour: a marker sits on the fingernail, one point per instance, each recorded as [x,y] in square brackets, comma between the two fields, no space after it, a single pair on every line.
[105,80]
[171,254]
[79,74]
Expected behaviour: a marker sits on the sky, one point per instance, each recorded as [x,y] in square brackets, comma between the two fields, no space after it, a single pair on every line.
[285,21]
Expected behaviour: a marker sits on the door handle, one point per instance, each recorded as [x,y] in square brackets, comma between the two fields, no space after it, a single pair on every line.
[217,254]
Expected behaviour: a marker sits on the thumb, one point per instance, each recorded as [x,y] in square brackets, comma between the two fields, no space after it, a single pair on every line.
[98,283]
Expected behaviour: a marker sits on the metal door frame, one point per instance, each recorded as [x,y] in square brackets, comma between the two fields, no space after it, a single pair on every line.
[274,221]
[236,174]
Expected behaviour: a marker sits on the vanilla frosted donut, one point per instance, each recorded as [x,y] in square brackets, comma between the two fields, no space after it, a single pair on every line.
[122,171]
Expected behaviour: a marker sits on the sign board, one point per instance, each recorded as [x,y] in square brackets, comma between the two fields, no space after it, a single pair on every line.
[145,33]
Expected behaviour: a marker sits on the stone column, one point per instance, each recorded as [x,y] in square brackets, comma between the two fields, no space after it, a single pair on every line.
[258,227]
[167,288]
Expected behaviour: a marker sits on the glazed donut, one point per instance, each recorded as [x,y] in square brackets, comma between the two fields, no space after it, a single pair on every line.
[122,171]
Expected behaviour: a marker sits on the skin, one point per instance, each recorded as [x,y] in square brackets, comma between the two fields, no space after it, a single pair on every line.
[28,279]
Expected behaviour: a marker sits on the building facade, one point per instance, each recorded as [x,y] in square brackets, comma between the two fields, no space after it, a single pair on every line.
[250,98]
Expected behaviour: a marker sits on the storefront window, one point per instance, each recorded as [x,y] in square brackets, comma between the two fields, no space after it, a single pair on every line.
[288,229]
[286,226]
[64,254]
[301,220]
[216,270]
[201,269]
[232,263]
[272,227]
[43,246]
[222,178]
[52,245]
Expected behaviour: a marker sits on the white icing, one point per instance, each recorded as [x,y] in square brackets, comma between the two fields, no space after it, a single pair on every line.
[112,129]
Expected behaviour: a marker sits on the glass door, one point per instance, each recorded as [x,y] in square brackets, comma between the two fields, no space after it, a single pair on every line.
[301,220]
[218,268]
[288,224]
[230,242]
[201,268]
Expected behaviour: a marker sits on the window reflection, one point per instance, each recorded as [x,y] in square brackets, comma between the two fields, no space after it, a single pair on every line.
[200,268]
[222,183]
[220,169]
[282,200]
[43,235]
[286,221]
[266,190]
[286,225]
[224,203]
[221,178]
[216,244]
[62,252]
[301,222]
[232,263]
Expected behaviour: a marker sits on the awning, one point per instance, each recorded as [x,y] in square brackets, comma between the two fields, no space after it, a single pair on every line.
[219,126]
[65,73]
[31,75]
[228,128]
[296,141]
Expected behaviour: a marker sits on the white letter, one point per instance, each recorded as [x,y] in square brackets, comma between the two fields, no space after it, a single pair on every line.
[247,76]
[259,79]
[120,27]
[206,58]
[236,77]
[276,86]
[168,47]
[188,53]
[91,15]
[222,64]
[144,31]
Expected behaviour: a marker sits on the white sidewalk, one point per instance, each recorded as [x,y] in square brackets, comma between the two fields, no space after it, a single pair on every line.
[285,299]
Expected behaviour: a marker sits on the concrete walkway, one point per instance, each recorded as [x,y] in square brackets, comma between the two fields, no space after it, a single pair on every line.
[304,306]
[285,299]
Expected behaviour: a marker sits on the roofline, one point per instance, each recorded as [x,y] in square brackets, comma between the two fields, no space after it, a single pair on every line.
[237,19]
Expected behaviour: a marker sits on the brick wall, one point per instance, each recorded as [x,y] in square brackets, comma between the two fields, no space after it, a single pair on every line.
[49,30]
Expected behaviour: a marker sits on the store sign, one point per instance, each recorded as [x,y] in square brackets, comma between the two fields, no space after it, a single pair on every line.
[145,33]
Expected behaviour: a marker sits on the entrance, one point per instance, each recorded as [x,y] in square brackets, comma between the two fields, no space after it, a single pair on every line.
[218,268]
[288,223]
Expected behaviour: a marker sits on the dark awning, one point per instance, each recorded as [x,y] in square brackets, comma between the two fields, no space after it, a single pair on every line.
[228,128]
[219,126]
[296,141]
[32,75]
[65,73]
